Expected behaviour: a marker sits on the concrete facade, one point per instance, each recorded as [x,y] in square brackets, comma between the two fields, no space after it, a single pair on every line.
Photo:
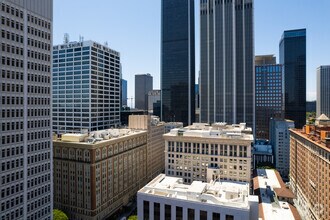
[192,152]
[168,198]
[26,149]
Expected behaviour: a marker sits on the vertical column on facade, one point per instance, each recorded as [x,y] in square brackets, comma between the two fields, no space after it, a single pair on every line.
[162,211]
[151,209]
[173,212]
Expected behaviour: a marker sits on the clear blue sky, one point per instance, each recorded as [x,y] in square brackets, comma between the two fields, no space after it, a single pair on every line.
[132,27]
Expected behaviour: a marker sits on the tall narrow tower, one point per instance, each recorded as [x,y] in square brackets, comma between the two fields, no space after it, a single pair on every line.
[26,132]
[293,59]
[178,61]
[227,61]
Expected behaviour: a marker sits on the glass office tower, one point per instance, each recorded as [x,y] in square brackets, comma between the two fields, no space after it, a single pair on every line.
[227,62]
[178,61]
[269,93]
[293,59]
[86,87]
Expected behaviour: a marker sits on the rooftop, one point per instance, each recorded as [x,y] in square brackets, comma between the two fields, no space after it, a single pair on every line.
[217,130]
[272,187]
[318,134]
[224,193]
[96,137]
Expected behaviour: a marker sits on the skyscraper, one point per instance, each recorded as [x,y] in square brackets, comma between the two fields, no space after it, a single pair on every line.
[143,84]
[178,61]
[86,87]
[323,91]
[293,59]
[227,62]
[123,92]
[269,93]
[26,149]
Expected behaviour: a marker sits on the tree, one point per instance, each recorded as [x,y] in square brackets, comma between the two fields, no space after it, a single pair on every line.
[59,215]
[133,217]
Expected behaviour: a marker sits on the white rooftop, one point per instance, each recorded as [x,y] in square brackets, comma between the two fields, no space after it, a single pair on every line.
[272,208]
[226,193]
[217,130]
[97,136]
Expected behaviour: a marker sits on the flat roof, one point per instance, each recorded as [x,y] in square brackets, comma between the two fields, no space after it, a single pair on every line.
[309,138]
[270,182]
[101,136]
[210,133]
[224,193]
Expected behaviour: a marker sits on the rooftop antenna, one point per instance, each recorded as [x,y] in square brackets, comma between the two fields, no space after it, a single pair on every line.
[66,38]
[106,43]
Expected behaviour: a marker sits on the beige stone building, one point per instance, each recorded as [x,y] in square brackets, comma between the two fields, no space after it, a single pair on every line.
[95,174]
[310,169]
[155,143]
[203,152]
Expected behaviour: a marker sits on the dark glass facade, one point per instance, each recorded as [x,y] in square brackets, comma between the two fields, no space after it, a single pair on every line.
[227,68]
[268,97]
[178,61]
[293,59]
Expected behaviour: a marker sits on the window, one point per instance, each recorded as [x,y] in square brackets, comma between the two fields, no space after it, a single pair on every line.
[179,215]
[167,212]
[156,211]
[191,214]
[146,210]
[216,216]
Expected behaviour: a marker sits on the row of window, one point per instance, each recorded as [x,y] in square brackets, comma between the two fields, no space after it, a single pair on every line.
[38,33]
[38,44]
[38,66]
[11,10]
[12,49]
[39,21]
[8,87]
[178,212]
[38,55]
[12,151]
[12,36]
[14,189]
[11,75]
[38,180]
[35,205]
[42,168]
[12,177]
[9,61]
[16,138]
[12,113]
[12,164]
[36,147]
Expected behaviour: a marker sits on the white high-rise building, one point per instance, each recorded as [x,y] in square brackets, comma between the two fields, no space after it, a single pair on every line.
[323,91]
[280,140]
[86,87]
[26,147]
